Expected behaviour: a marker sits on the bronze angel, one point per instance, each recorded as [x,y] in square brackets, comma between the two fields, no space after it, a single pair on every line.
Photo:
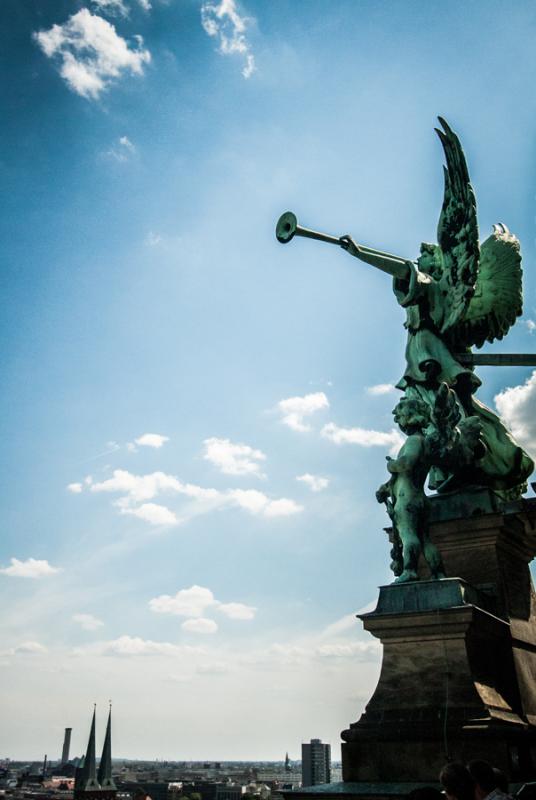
[459,294]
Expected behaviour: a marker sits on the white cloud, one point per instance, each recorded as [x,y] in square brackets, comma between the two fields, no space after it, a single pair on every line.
[237,610]
[91,54]
[315,482]
[87,621]
[112,7]
[136,646]
[231,458]
[142,488]
[75,488]
[517,407]
[139,487]
[118,7]
[258,503]
[155,440]
[153,513]
[222,21]
[295,409]
[381,388]
[190,602]
[195,601]
[531,325]
[25,648]
[28,648]
[31,568]
[363,437]
[199,625]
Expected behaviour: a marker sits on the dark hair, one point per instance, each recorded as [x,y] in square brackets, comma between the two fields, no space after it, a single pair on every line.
[457,781]
[482,774]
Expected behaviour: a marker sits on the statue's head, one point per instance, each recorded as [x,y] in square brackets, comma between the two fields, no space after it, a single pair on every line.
[411,415]
[429,260]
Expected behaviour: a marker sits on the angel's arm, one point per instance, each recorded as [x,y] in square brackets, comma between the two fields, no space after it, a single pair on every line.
[394,265]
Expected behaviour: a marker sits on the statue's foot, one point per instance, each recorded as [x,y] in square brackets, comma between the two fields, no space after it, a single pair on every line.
[407,575]
[437,576]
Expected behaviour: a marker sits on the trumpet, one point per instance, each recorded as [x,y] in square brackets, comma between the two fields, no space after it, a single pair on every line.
[287,228]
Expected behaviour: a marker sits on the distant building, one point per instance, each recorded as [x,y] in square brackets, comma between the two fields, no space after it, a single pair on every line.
[316,763]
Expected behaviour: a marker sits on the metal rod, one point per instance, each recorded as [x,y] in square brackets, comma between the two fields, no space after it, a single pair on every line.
[497,359]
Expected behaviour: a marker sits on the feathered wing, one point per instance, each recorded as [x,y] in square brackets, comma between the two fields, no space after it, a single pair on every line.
[498,296]
[457,230]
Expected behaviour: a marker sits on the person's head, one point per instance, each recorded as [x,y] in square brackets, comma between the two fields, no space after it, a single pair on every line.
[484,777]
[429,260]
[457,782]
[411,414]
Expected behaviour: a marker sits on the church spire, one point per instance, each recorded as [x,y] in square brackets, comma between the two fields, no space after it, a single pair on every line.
[86,778]
[105,767]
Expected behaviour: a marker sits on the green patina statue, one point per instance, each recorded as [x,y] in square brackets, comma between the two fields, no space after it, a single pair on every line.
[458,294]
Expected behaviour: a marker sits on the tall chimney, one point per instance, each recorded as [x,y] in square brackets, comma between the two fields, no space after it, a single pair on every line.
[66,746]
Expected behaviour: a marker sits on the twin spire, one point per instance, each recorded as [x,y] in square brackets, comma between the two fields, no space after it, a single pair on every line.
[89,783]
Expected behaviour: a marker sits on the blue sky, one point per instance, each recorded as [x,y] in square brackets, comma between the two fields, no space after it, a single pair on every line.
[190,575]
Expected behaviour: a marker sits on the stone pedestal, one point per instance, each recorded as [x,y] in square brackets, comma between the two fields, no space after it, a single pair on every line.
[458,676]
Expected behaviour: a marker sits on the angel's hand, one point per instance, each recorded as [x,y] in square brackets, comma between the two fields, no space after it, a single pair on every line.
[348,244]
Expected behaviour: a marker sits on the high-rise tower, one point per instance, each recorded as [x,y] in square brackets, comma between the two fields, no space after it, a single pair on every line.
[316,763]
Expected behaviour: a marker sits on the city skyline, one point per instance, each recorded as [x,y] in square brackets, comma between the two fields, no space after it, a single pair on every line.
[192,428]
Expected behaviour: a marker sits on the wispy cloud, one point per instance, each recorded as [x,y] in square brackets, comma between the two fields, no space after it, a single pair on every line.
[74,488]
[90,53]
[87,621]
[381,388]
[112,7]
[31,568]
[26,648]
[223,22]
[118,7]
[316,483]
[294,410]
[517,406]
[153,239]
[363,437]
[122,150]
[231,458]
[137,646]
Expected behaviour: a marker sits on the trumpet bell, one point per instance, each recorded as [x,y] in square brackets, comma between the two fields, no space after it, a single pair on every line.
[286,227]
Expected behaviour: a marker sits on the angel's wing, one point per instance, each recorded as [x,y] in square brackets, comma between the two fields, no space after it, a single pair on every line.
[457,230]
[498,296]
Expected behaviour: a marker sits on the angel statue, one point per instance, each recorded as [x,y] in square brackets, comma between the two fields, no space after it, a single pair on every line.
[457,294]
